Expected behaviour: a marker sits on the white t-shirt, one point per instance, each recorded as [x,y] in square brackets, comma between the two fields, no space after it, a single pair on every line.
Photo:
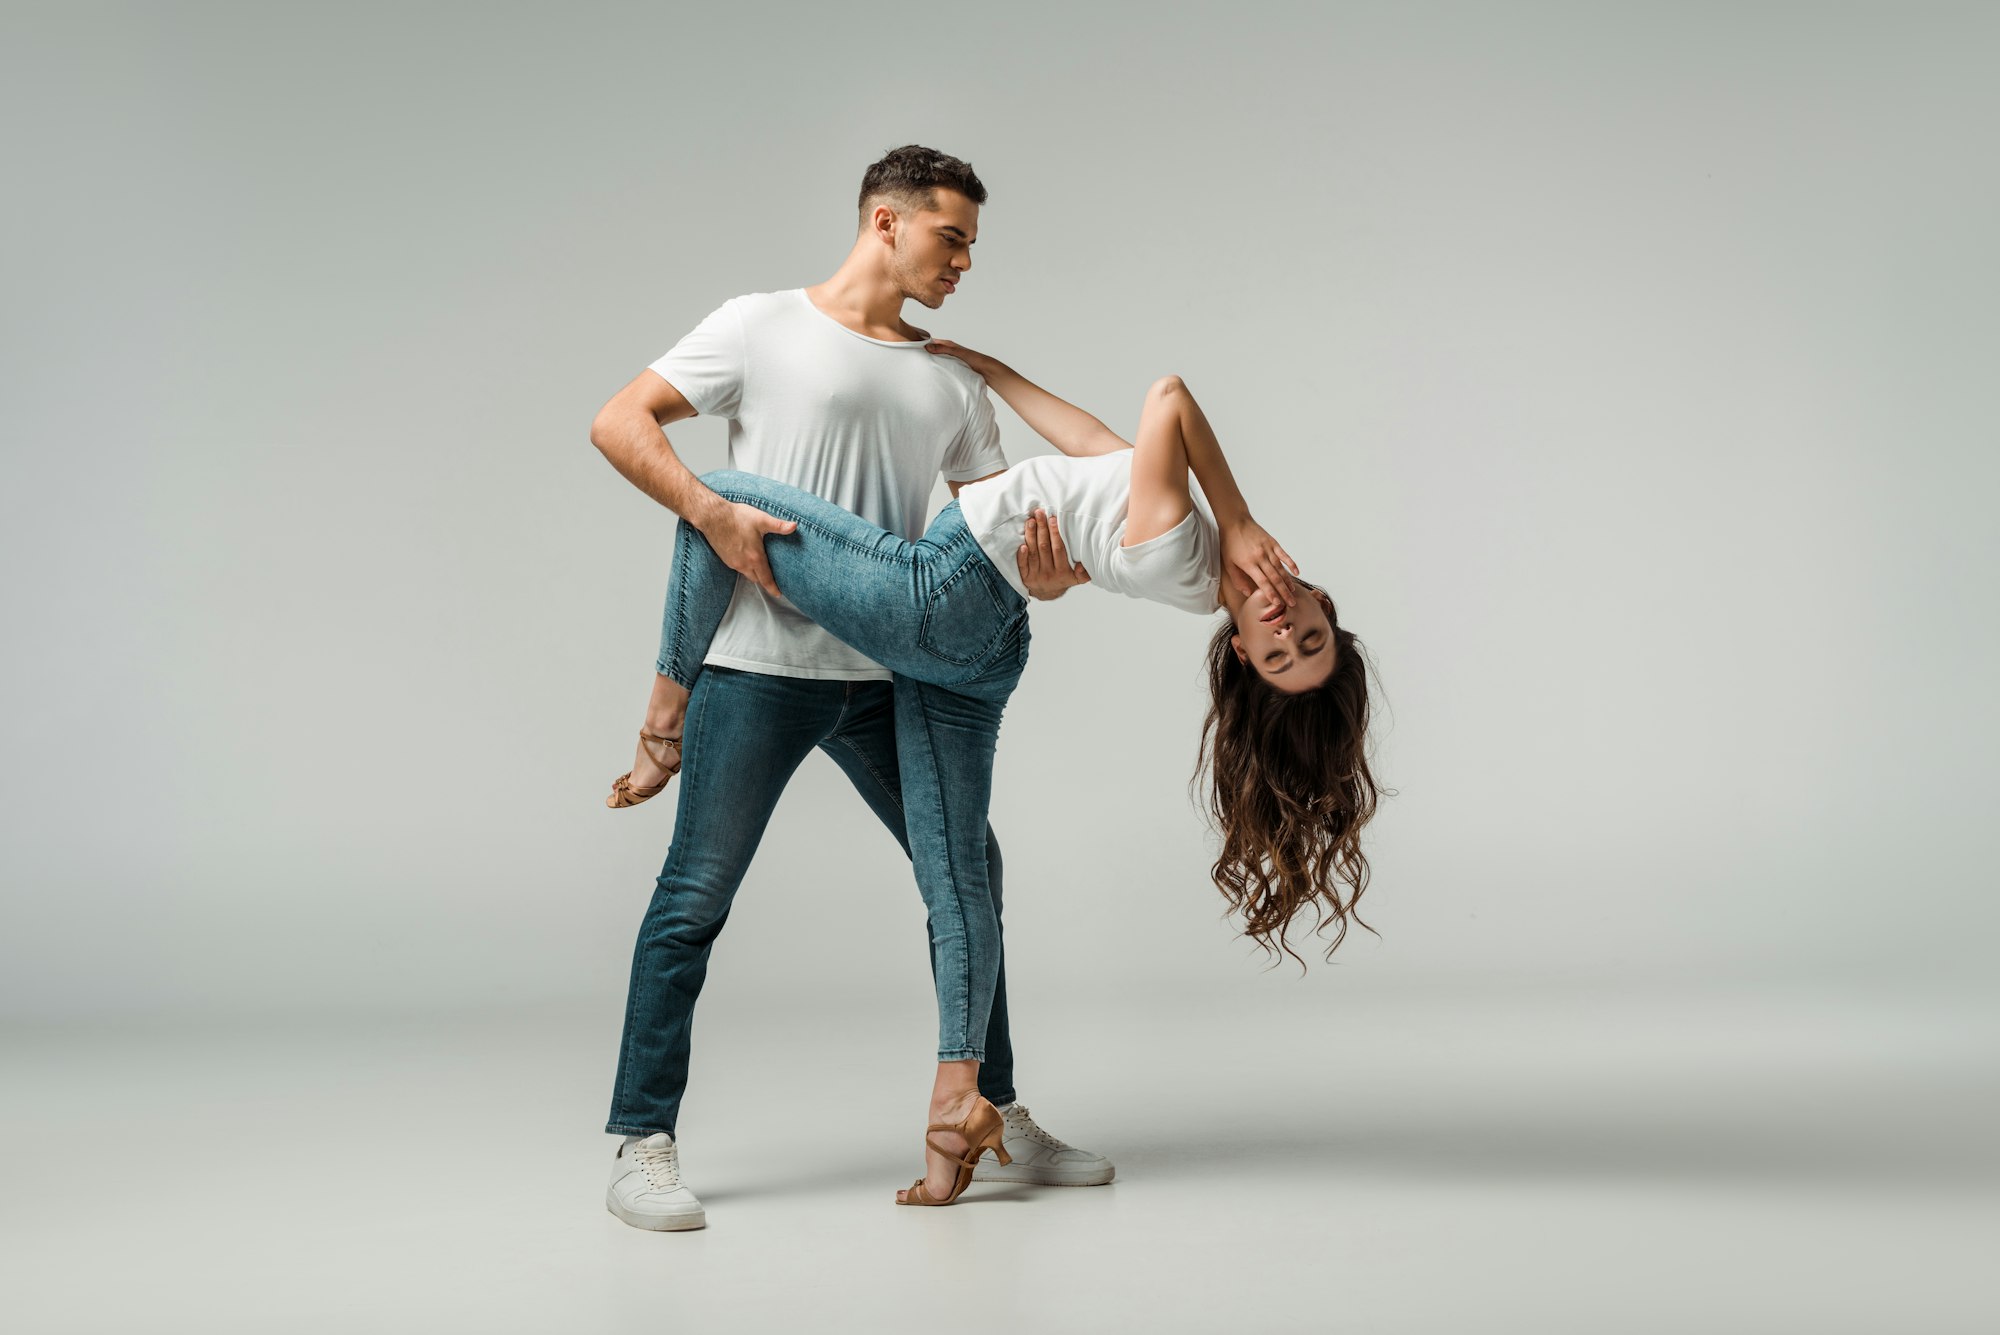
[863,422]
[1089,496]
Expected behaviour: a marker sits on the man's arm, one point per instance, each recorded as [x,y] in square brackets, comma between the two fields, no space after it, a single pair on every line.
[627,430]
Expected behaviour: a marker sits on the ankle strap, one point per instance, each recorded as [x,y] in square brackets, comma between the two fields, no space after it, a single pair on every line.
[963,1163]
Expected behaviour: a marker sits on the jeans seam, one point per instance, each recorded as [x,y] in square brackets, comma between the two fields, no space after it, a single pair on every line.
[951,871]
[673,666]
[893,794]
[780,510]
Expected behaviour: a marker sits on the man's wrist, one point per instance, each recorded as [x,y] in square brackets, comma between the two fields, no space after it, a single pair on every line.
[704,509]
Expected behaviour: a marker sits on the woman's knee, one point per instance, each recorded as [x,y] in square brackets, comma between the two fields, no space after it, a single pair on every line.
[720,479]
[1166,387]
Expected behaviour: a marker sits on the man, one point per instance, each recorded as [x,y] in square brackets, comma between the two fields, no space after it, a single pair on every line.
[829,389]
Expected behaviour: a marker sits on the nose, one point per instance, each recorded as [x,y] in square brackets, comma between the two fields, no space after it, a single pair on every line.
[961,261]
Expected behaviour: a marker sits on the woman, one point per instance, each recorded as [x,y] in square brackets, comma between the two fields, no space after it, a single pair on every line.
[1290,787]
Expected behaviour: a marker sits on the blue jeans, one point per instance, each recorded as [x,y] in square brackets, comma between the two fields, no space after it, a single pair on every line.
[919,749]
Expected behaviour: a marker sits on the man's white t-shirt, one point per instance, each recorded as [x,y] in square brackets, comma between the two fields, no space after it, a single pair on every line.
[863,422]
[1089,498]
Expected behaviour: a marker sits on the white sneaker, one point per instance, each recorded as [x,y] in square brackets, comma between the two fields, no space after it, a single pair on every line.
[646,1190]
[1040,1158]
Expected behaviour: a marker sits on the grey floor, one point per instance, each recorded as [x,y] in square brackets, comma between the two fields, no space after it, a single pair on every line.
[1712,1160]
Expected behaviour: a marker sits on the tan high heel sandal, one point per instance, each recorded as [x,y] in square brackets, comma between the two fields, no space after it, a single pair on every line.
[623,794]
[983,1129]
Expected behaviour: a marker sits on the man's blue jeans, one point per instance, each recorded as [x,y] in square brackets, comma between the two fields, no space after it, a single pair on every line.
[935,607]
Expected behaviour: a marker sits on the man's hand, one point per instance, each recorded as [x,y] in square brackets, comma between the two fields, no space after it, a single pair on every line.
[1255,563]
[1046,569]
[736,532]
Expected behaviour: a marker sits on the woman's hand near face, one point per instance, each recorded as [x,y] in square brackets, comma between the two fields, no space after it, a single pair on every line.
[1255,563]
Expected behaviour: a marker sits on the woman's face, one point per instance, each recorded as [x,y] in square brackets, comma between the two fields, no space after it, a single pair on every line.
[1293,650]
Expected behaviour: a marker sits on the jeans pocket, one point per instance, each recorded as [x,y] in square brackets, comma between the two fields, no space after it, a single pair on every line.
[964,617]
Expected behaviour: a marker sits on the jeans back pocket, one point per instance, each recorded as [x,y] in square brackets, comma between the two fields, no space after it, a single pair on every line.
[965,616]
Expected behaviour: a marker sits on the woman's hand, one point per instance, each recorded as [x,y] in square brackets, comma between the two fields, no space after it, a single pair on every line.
[1255,563]
[978,361]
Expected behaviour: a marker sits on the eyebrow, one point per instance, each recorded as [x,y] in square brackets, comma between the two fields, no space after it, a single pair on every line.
[958,232]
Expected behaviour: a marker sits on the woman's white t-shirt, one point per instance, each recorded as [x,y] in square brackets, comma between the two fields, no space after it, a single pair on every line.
[1089,497]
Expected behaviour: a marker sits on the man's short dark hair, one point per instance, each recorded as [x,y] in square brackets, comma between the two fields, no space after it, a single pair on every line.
[909,177]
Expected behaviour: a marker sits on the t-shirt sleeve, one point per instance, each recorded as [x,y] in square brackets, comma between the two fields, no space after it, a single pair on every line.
[707,365]
[1178,567]
[976,453]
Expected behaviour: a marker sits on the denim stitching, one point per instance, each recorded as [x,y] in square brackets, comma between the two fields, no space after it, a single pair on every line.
[894,794]
[964,537]
[951,870]
[672,665]
[966,570]
[780,510]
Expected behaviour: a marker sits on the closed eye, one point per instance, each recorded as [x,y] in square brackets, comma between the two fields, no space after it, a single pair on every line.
[1307,649]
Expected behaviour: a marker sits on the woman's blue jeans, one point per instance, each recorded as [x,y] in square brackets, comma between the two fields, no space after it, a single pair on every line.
[955,635]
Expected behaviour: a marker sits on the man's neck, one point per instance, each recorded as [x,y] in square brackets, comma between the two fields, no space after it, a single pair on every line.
[861,297]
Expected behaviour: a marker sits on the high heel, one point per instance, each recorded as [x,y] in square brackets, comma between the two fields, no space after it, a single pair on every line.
[623,794]
[983,1129]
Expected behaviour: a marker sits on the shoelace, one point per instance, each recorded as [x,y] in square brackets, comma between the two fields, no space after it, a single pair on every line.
[660,1164]
[1018,1121]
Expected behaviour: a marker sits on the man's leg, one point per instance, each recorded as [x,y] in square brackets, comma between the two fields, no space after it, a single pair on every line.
[746,735]
[864,746]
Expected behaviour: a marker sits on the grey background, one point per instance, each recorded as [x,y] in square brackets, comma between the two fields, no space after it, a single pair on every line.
[1623,370]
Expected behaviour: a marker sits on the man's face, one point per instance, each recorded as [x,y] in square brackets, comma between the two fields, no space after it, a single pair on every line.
[934,248]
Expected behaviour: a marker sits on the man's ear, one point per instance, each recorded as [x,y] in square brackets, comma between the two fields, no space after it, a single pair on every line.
[882,223]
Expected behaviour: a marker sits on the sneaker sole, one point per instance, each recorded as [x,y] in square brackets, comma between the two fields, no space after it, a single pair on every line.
[658,1223]
[1044,1177]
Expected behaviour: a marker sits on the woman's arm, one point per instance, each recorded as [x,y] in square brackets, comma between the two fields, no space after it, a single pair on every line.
[1062,424]
[1174,438]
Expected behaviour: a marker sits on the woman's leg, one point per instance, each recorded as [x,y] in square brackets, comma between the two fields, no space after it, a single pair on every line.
[698,592]
[933,610]
[945,744]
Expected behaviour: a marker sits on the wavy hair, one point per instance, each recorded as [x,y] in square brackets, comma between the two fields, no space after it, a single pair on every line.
[1289,790]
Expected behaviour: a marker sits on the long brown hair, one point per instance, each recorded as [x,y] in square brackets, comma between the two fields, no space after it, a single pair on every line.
[1289,790]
